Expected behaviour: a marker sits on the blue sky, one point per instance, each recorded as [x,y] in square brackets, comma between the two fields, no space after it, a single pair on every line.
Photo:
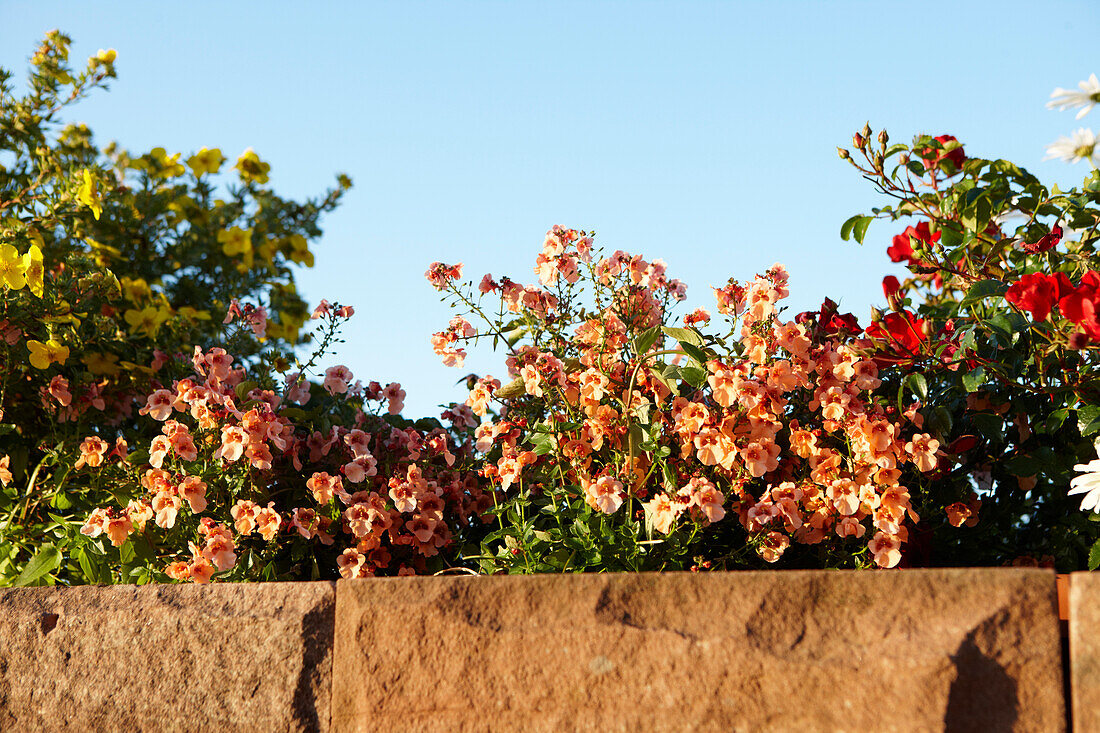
[703,133]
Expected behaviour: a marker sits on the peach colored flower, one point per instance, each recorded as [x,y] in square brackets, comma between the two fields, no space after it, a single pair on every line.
[193,491]
[362,467]
[96,523]
[850,527]
[662,512]
[773,546]
[244,516]
[118,528]
[351,563]
[886,549]
[268,522]
[706,497]
[395,398]
[605,494]
[5,470]
[166,505]
[923,449]
[92,452]
[219,550]
[200,570]
[159,405]
[234,440]
[178,570]
[761,457]
[324,487]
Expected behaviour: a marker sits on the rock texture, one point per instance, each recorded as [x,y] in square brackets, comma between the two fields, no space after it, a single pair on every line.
[1084,650]
[167,658]
[915,650]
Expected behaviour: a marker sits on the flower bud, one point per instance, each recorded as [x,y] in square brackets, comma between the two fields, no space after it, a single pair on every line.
[866,131]
[858,140]
[878,161]
[883,138]
[844,154]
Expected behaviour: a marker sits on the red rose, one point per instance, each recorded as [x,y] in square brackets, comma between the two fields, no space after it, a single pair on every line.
[1082,304]
[1037,293]
[933,156]
[902,330]
[902,247]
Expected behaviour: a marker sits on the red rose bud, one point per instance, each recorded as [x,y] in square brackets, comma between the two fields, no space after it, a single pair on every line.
[890,288]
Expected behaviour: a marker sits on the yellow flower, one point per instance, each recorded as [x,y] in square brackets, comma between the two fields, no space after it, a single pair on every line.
[252,168]
[299,250]
[193,314]
[145,321]
[98,363]
[44,354]
[206,161]
[106,57]
[237,241]
[89,194]
[137,290]
[13,267]
[164,165]
[35,272]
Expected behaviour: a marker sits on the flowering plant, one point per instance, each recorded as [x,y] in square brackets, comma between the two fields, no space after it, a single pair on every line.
[1005,271]
[624,442]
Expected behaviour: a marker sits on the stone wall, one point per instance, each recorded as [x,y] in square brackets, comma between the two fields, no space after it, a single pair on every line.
[967,649]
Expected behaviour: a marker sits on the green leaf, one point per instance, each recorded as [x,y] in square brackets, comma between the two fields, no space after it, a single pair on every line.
[684,335]
[918,384]
[1088,419]
[695,353]
[1094,556]
[856,225]
[983,289]
[1055,420]
[860,229]
[694,376]
[45,561]
[644,340]
[973,379]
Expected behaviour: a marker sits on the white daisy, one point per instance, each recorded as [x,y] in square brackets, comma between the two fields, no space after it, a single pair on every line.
[1079,146]
[1088,483]
[1068,99]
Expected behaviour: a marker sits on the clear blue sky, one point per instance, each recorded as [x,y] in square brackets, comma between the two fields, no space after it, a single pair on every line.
[703,133]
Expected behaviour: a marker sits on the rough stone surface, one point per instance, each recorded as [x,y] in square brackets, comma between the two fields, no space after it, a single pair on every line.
[1084,650]
[915,650]
[167,658]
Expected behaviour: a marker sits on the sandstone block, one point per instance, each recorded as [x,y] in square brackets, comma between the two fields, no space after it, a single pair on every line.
[167,658]
[915,650]
[1084,650]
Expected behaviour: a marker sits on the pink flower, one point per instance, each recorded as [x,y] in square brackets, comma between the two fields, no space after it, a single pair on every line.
[336,379]
[395,398]
[440,275]
[323,309]
[59,390]
[159,405]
